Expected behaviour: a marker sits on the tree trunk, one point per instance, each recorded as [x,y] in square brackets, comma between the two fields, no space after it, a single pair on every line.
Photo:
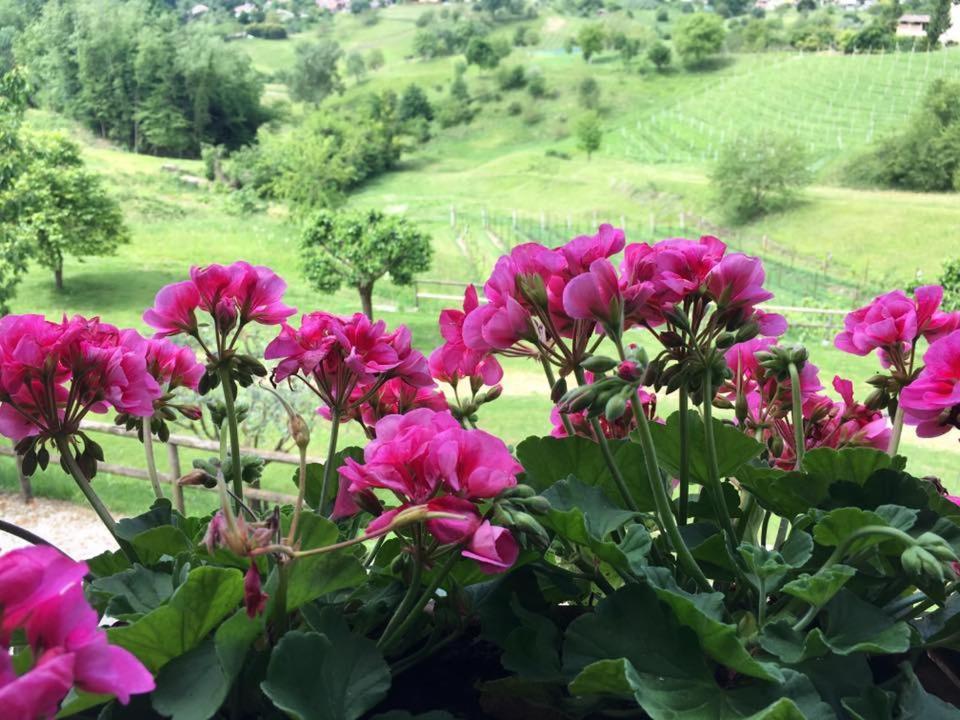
[58,274]
[366,299]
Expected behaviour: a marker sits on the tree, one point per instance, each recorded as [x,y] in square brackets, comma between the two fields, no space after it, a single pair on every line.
[375,59]
[482,53]
[698,38]
[62,208]
[591,40]
[939,21]
[588,92]
[315,74]
[589,133]
[659,54]
[949,280]
[358,248]
[414,104]
[757,173]
[13,253]
[356,66]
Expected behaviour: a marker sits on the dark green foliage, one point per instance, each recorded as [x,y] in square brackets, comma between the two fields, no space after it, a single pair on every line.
[939,21]
[482,53]
[137,78]
[511,78]
[414,104]
[588,93]
[758,173]
[950,280]
[267,31]
[660,55]
[591,40]
[924,157]
[699,38]
[315,74]
[589,133]
[358,248]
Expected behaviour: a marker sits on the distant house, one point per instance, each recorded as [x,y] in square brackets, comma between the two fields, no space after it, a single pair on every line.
[916,26]
[284,15]
[333,5]
[245,9]
[198,10]
[773,4]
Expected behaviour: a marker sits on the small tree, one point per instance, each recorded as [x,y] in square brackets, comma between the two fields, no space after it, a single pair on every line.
[375,59]
[660,55]
[356,66]
[482,53]
[589,134]
[359,248]
[950,281]
[62,208]
[414,104]
[591,40]
[315,74]
[698,38]
[939,21]
[758,173]
[588,92]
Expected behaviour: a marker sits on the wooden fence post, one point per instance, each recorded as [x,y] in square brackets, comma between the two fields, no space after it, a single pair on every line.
[173,460]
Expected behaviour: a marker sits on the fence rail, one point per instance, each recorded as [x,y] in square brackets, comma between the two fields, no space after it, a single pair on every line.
[174,472]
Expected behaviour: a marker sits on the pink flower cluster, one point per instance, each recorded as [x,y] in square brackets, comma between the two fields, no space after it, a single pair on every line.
[454,361]
[41,595]
[234,295]
[932,401]
[892,323]
[53,374]
[357,368]
[427,458]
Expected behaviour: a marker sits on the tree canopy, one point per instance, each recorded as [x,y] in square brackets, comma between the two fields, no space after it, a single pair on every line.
[698,38]
[315,74]
[358,248]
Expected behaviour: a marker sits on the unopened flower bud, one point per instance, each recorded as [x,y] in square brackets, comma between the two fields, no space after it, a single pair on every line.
[299,430]
[876,400]
[190,412]
[919,563]
[776,446]
[198,477]
[628,370]
[936,546]
[532,288]
[518,491]
[537,504]
[722,403]
[493,393]
[677,317]
[748,331]
[725,340]
[599,364]
[741,408]
[558,390]
[671,339]
[615,408]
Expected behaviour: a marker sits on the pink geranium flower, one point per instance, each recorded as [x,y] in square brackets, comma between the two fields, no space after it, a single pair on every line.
[40,593]
[493,548]
[736,283]
[595,295]
[254,599]
[454,361]
[932,401]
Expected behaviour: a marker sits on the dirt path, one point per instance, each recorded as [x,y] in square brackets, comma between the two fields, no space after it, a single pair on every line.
[74,529]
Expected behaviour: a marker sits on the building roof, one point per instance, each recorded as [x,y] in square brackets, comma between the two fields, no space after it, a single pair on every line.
[914,18]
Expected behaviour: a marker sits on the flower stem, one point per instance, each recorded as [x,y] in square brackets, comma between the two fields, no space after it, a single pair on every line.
[301,493]
[414,612]
[409,598]
[151,461]
[684,458]
[63,445]
[713,466]
[331,452]
[237,469]
[897,432]
[797,414]
[552,380]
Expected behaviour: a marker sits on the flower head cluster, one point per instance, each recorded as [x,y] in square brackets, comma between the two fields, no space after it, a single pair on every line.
[42,596]
[348,362]
[616,428]
[53,374]
[454,361]
[425,458]
[932,401]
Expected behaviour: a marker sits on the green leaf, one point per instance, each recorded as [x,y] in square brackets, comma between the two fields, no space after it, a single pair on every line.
[192,686]
[404,715]
[196,608]
[785,493]
[734,448]
[765,568]
[819,589]
[310,678]
[852,465]
[915,703]
[852,626]
[669,698]
[702,613]
[108,563]
[837,525]
[532,650]
[134,592]
[798,549]
[584,515]
[160,513]
[627,625]
[156,543]
[317,575]
[873,704]
[547,460]
[315,476]
[941,623]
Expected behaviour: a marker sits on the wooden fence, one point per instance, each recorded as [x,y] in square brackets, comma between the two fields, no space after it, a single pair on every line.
[174,472]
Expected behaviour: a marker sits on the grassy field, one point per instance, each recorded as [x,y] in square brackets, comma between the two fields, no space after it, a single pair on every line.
[481,187]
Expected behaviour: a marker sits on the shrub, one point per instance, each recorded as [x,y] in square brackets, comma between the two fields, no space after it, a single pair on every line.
[588,93]
[536,85]
[950,280]
[757,173]
[660,55]
[511,78]
[515,107]
[589,133]
[267,31]
[414,104]
[698,38]
[663,15]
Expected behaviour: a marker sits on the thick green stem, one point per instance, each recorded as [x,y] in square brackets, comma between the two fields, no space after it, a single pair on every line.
[797,415]
[684,458]
[662,502]
[328,461]
[897,432]
[618,478]
[713,467]
[63,445]
[151,461]
[231,420]
[405,605]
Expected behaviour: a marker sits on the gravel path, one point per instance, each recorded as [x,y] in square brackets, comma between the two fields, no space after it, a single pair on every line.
[73,528]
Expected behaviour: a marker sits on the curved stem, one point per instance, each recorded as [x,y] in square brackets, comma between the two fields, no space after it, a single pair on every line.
[25,535]
[405,605]
[66,453]
[797,414]
[551,378]
[151,461]
[684,457]
[236,468]
[301,493]
[331,452]
[713,466]
[618,478]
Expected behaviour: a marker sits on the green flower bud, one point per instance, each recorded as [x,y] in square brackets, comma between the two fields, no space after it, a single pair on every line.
[937,546]
[599,364]
[615,408]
